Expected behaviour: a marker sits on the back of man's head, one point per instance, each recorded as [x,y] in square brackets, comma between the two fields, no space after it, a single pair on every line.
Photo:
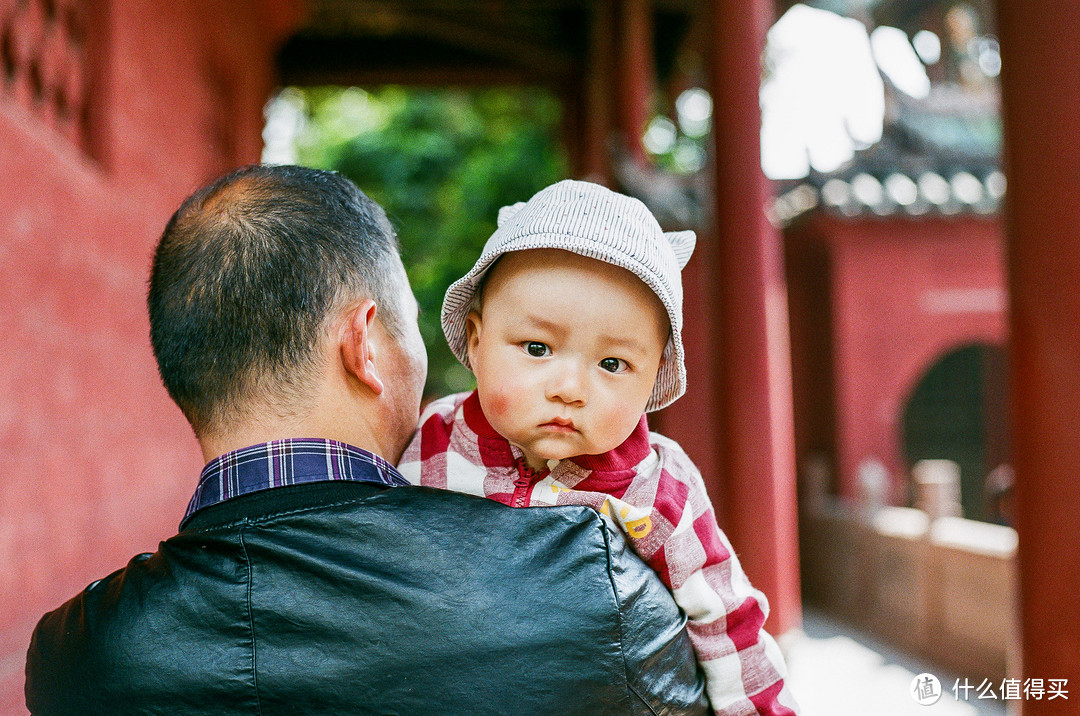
[244,279]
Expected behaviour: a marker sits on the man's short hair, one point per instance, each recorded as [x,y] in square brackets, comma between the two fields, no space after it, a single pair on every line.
[246,274]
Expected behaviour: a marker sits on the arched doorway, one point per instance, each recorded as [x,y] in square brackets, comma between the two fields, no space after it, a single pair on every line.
[957,411]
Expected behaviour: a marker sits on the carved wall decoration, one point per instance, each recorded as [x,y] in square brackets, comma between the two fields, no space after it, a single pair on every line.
[43,63]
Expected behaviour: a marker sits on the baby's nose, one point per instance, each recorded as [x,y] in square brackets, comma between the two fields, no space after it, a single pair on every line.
[568,384]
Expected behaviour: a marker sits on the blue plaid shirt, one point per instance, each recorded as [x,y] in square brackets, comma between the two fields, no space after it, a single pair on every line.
[288,462]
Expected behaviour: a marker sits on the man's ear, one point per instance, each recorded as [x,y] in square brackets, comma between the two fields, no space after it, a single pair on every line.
[358,349]
[473,324]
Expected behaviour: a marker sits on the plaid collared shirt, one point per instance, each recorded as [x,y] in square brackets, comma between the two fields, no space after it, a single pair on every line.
[288,462]
[655,495]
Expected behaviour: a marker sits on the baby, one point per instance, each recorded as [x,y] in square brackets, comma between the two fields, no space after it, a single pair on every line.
[571,321]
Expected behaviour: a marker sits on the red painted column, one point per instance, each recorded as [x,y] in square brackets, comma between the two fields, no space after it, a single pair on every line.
[598,96]
[758,503]
[636,74]
[1041,102]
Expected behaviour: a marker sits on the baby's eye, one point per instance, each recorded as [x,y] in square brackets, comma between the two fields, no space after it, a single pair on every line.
[536,349]
[614,365]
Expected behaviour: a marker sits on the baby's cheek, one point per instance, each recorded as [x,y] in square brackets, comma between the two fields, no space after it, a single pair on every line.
[497,405]
[504,413]
[502,394]
[622,423]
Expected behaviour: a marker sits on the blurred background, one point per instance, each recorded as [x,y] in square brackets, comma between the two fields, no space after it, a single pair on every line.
[873,352]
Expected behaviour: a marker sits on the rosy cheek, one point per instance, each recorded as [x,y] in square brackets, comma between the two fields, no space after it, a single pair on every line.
[497,405]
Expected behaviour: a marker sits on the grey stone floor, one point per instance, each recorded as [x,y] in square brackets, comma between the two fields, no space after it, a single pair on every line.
[836,670]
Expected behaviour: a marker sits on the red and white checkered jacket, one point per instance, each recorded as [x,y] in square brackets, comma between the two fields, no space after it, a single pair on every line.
[652,491]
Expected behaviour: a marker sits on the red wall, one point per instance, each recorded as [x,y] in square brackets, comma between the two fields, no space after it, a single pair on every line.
[901,293]
[98,463]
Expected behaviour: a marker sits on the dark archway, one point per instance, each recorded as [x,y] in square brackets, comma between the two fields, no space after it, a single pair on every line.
[957,411]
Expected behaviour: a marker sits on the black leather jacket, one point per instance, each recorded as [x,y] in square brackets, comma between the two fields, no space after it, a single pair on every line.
[347,598]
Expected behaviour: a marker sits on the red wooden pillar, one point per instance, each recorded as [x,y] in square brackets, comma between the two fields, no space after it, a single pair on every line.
[1041,99]
[757,458]
[598,96]
[636,73]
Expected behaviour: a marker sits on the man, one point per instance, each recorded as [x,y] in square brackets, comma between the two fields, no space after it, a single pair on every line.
[305,577]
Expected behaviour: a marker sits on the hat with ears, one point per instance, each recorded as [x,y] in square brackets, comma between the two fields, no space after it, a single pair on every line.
[592,221]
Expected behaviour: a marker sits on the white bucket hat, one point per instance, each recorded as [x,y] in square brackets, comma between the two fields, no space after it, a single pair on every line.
[592,221]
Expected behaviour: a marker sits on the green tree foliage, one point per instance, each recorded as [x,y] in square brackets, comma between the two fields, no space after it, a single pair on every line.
[442,163]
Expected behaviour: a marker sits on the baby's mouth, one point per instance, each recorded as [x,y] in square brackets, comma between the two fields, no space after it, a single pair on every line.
[560,425]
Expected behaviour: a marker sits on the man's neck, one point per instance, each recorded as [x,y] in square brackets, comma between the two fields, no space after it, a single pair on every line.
[335,410]
[218,444]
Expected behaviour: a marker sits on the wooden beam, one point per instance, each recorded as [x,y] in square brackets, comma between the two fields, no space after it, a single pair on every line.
[385,18]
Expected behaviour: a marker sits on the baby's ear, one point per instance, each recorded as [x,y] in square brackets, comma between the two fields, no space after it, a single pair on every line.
[683,243]
[507,212]
[473,324]
[666,355]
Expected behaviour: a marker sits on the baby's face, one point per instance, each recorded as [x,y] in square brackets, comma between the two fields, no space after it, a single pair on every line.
[565,350]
